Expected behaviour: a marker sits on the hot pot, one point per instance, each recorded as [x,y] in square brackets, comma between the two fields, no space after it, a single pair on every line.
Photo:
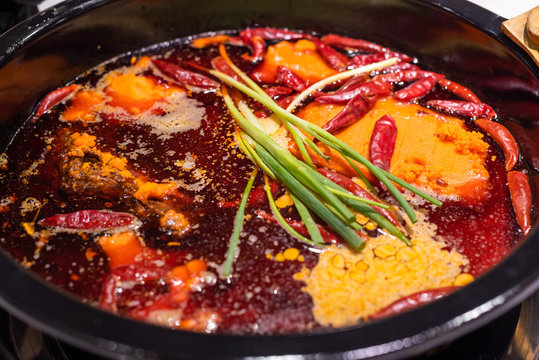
[461,40]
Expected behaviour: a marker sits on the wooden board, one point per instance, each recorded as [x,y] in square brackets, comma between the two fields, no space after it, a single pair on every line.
[524,30]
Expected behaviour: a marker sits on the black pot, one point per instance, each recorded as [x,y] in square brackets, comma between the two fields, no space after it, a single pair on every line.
[467,45]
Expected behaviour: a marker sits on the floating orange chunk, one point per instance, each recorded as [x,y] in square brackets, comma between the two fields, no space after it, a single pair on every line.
[183,277]
[137,93]
[300,57]
[83,106]
[121,248]
[175,221]
[432,151]
[151,190]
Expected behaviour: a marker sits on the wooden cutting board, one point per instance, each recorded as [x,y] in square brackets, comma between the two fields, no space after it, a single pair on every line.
[524,30]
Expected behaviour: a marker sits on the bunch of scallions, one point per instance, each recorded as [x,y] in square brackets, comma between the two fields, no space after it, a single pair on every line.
[308,189]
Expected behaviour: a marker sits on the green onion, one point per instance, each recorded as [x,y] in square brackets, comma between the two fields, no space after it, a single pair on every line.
[360,174]
[280,218]
[308,220]
[303,172]
[307,187]
[324,136]
[251,153]
[238,225]
[306,196]
[296,135]
[357,198]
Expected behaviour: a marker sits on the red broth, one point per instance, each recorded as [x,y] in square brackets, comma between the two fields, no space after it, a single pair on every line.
[262,295]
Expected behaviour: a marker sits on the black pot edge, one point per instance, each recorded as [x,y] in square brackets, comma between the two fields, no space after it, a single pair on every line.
[451,329]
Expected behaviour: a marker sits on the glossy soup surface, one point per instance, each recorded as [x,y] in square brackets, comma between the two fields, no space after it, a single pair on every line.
[132,139]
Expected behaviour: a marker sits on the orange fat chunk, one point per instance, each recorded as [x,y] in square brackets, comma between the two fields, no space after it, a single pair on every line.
[175,221]
[121,248]
[151,190]
[183,277]
[83,106]
[432,151]
[300,57]
[137,93]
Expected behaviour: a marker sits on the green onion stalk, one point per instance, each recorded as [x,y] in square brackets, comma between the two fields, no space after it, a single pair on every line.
[307,187]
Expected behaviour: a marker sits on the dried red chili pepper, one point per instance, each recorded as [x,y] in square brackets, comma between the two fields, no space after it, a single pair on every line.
[90,219]
[503,138]
[354,110]
[404,76]
[185,77]
[278,91]
[461,91]
[290,78]
[363,45]
[366,59]
[258,45]
[284,102]
[464,108]
[411,301]
[334,58]
[269,33]
[351,43]
[107,299]
[352,83]
[53,98]
[236,41]
[419,88]
[219,63]
[382,142]
[373,88]
[327,236]
[521,198]
[347,184]
[127,273]
[401,66]
[257,196]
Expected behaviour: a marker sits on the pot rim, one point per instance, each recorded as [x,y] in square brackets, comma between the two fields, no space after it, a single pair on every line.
[506,285]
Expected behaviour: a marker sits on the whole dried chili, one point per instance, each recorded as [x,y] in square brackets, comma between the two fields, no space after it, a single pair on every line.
[290,78]
[351,83]
[334,58]
[419,88]
[269,33]
[521,198]
[53,98]
[401,66]
[351,43]
[256,197]
[284,102]
[405,76]
[503,138]
[382,142]
[219,63]
[258,45]
[236,41]
[357,190]
[354,110]
[373,88]
[366,59]
[461,91]
[327,236]
[411,301]
[362,45]
[464,108]
[90,220]
[278,91]
[185,77]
